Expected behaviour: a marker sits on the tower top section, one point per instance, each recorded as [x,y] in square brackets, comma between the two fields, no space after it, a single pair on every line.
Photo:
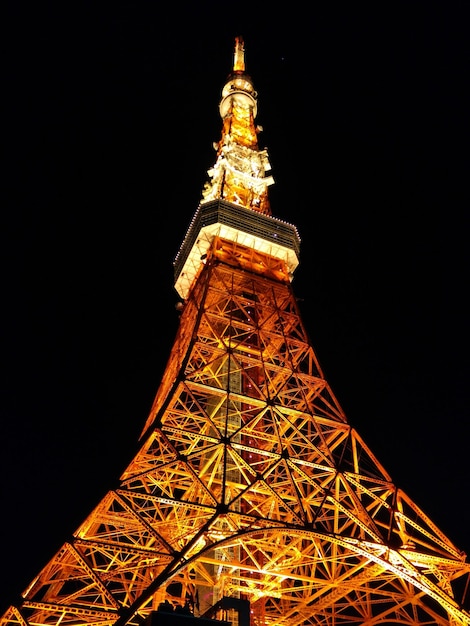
[234,220]
[239,88]
[240,173]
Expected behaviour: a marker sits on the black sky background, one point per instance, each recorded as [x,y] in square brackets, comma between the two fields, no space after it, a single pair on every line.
[110,111]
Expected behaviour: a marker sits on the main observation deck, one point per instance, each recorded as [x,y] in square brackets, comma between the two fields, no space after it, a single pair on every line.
[232,222]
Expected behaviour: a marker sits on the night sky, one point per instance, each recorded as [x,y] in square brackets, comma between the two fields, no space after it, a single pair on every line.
[109,115]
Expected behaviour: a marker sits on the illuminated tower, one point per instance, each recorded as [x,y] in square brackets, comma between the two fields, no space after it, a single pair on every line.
[251,498]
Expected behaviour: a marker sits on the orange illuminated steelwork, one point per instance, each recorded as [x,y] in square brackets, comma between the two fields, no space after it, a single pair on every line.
[250,483]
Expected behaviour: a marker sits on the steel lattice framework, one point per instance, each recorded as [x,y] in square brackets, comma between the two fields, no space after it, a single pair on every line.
[250,482]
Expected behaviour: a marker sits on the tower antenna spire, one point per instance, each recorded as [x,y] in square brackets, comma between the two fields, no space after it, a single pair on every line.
[239,55]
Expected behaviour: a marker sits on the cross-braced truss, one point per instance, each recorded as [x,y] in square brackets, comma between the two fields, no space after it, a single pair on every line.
[250,483]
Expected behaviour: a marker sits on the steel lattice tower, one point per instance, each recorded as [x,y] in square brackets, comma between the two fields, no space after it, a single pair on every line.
[250,485]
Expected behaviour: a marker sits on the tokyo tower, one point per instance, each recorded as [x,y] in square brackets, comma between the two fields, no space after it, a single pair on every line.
[251,501]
